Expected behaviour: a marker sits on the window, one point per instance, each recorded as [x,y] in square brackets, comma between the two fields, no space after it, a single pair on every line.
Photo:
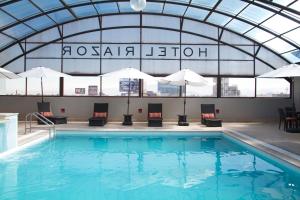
[82,86]
[12,86]
[204,91]
[237,87]
[50,86]
[153,88]
[119,87]
[272,87]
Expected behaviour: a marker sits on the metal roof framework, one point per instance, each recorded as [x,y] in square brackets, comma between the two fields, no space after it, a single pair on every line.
[274,25]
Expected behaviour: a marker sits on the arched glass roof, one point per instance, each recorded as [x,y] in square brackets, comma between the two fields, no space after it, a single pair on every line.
[274,24]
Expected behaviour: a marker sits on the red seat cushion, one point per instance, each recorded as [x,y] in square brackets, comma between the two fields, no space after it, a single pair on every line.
[155,115]
[208,115]
[47,114]
[100,114]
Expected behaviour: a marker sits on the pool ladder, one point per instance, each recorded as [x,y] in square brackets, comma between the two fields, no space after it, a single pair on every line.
[29,117]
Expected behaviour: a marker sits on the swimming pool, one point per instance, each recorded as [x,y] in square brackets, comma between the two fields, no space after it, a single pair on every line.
[148,166]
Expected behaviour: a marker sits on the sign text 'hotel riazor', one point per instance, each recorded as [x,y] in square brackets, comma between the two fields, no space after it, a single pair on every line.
[133,51]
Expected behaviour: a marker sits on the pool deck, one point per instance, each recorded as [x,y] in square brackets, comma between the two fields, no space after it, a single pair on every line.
[264,136]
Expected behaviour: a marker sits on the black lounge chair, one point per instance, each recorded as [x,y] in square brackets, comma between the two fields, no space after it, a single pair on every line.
[44,108]
[208,116]
[289,119]
[100,115]
[155,115]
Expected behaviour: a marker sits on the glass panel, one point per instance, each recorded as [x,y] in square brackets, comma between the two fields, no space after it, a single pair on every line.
[160,67]
[255,14]
[48,5]
[45,36]
[205,3]
[19,31]
[279,45]
[293,56]
[121,35]
[10,53]
[21,9]
[293,36]
[116,21]
[231,6]
[196,13]
[237,67]
[50,86]
[81,66]
[81,26]
[174,9]
[202,67]
[261,68]
[5,19]
[74,2]
[12,86]
[272,87]
[82,86]
[54,64]
[218,19]
[259,35]
[17,65]
[107,8]
[109,65]
[239,26]
[280,24]
[125,7]
[283,2]
[182,1]
[160,36]
[83,11]
[40,23]
[161,21]
[200,28]
[61,16]
[204,91]
[153,7]
[155,88]
[271,58]
[296,6]
[4,40]
[119,87]
[231,53]
[237,87]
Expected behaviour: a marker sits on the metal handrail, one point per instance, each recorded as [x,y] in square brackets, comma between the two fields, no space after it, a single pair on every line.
[43,119]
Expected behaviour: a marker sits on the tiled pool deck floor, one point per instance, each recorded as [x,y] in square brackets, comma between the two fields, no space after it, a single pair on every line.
[264,134]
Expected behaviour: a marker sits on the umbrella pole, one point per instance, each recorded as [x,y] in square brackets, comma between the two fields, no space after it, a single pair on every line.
[293,92]
[128,100]
[42,89]
[184,102]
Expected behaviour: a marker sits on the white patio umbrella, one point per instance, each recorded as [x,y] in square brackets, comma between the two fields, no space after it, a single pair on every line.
[288,71]
[130,73]
[185,77]
[42,72]
[5,74]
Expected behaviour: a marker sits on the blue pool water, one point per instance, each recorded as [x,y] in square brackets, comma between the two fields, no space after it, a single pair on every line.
[144,167]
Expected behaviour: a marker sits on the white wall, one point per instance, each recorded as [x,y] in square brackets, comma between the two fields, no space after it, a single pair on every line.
[81,108]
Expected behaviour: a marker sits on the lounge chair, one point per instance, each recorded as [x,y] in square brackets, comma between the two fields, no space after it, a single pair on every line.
[155,114]
[100,115]
[208,116]
[289,121]
[44,108]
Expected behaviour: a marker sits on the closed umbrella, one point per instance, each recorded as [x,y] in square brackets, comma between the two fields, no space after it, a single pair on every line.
[287,71]
[5,74]
[185,77]
[42,72]
[129,73]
